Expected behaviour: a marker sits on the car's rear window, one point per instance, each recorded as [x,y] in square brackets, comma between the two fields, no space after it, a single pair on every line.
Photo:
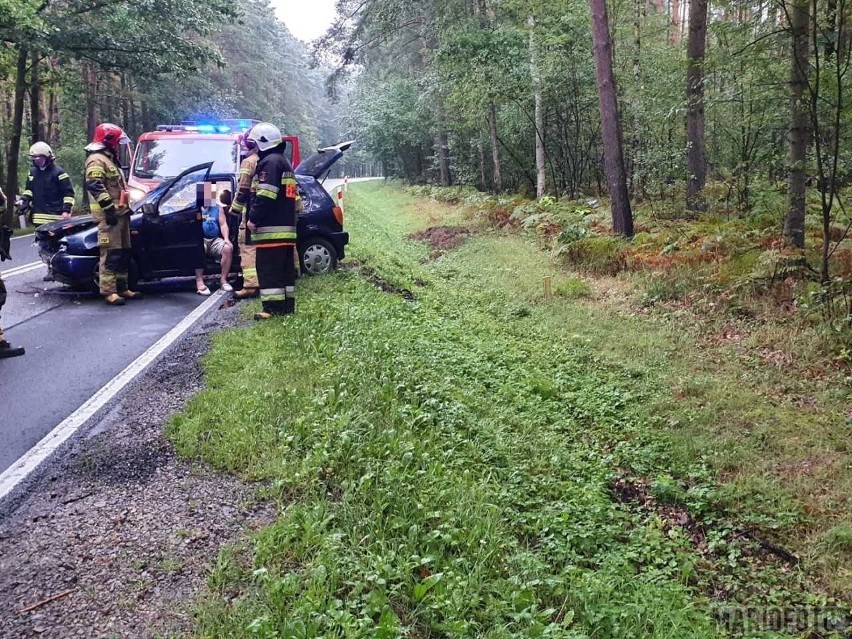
[162,159]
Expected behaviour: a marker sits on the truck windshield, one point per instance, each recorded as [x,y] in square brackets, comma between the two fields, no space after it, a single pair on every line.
[162,159]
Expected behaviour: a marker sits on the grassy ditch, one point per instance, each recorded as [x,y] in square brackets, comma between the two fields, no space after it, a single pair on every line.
[455,458]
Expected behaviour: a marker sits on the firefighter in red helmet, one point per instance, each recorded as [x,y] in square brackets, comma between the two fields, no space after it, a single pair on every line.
[109,205]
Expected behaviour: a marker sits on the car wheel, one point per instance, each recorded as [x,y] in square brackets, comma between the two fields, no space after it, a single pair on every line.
[317,256]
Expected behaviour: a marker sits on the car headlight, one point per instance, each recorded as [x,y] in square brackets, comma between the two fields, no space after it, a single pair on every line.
[134,194]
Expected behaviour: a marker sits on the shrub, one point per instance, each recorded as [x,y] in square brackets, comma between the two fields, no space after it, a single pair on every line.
[600,254]
[572,288]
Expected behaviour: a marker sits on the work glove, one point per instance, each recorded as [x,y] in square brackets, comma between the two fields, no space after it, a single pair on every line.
[5,243]
[111,217]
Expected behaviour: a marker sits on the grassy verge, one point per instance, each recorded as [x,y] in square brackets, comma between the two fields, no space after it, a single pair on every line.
[23,231]
[456,458]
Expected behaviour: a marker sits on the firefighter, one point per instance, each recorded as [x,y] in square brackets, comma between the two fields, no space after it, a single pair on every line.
[272,222]
[246,190]
[109,205]
[6,349]
[49,195]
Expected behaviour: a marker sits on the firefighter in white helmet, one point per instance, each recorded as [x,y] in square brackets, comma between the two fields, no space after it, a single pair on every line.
[49,195]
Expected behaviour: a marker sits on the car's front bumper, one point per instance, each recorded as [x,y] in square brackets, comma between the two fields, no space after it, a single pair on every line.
[72,270]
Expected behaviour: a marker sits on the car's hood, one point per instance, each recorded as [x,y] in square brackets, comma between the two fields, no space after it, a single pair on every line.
[62,228]
[321,161]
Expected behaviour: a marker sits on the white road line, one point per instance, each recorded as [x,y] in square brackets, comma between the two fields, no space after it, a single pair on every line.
[18,237]
[24,268]
[28,462]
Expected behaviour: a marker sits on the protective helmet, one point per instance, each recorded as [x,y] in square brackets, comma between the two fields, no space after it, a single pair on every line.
[42,148]
[108,136]
[265,135]
[246,145]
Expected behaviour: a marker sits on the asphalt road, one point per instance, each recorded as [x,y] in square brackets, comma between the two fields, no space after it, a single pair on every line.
[75,343]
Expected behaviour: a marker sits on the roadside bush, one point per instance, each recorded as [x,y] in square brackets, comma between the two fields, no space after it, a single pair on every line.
[600,254]
[666,287]
[572,288]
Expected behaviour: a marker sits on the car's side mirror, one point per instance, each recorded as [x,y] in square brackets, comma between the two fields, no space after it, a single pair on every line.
[149,210]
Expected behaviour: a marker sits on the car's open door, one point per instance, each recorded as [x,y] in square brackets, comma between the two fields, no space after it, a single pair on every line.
[171,228]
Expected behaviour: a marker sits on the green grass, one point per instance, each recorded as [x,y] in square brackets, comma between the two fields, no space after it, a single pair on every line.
[443,458]
[23,231]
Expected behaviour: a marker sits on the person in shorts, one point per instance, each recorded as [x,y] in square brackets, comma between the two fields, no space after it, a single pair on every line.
[217,242]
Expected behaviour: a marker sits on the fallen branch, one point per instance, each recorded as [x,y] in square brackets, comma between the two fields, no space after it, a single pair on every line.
[768,546]
[39,604]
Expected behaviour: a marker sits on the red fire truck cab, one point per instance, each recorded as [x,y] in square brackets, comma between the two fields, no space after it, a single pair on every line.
[172,148]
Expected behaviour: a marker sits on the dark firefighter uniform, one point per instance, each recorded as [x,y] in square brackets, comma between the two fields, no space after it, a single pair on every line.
[6,349]
[107,201]
[273,214]
[246,191]
[48,193]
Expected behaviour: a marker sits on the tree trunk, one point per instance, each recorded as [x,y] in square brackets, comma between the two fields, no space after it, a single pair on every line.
[635,175]
[799,134]
[540,163]
[622,217]
[37,132]
[497,179]
[17,130]
[91,80]
[480,145]
[696,157]
[674,22]
[444,151]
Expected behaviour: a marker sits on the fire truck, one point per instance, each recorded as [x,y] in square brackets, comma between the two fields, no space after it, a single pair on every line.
[165,153]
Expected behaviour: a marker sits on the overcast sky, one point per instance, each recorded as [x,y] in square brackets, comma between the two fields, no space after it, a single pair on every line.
[306,19]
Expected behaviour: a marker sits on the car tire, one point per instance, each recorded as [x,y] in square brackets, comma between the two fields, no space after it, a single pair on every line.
[317,256]
[132,277]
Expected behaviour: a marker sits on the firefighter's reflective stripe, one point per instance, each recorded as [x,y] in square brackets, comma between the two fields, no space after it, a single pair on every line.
[267,190]
[237,208]
[272,233]
[250,273]
[95,172]
[68,200]
[27,193]
[63,176]
[273,294]
[45,218]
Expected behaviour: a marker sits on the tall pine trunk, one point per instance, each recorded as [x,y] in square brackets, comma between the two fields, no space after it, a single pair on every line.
[37,130]
[799,134]
[17,131]
[696,158]
[497,178]
[622,216]
[540,165]
[91,81]
[674,22]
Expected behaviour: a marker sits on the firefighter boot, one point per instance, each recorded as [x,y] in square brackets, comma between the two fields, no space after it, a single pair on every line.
[7,350]
[114,299]
[246,293]
[289,306]
[131,295]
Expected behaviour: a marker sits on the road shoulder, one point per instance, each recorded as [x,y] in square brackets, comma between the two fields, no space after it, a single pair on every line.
[119,527]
